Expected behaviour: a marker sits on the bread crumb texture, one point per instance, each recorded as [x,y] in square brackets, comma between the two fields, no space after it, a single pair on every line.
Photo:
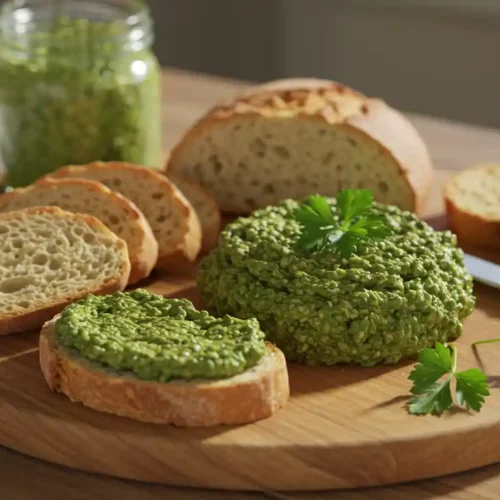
[45,258]
[252,162]
[88,197]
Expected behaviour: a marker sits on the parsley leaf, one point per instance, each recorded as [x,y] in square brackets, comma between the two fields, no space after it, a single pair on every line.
[433,364]
[354,203]
[321,230]
[321,207]
[318,222]
[433,393]
[472,387]
[435,400]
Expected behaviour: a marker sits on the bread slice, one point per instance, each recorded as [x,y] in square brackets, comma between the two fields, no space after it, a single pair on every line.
[83,196]
[50,258]
[292,138]
[252,395]
[206,207]
[173,220]
[472,200]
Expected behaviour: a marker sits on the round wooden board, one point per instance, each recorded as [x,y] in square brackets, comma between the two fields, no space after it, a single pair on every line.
[343,427]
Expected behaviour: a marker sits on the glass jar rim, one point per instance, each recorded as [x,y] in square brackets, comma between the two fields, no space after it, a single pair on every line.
[28,23]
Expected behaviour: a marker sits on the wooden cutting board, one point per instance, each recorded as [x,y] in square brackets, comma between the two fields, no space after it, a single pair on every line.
[343,427]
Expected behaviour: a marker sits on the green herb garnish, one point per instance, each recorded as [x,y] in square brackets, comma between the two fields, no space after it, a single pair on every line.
[356,224]
[432,378]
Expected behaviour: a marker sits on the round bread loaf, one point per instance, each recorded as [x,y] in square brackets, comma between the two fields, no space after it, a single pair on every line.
[292,138]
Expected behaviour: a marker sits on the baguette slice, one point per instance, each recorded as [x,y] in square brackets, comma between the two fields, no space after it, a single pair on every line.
[173,220]
[83,196]
[472,200]
[249,396]
[292,138]
[206,207]
[50,258]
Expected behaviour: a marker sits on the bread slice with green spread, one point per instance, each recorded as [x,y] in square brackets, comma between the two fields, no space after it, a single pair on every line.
[296,137]
[172,218]
[50,258]
[206,207]
[473,206]
[222,373]
[118,213]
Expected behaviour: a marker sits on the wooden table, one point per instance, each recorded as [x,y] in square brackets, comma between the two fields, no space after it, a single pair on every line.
[186,96]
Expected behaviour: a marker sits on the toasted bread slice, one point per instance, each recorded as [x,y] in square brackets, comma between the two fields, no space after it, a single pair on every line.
[472,200]
[296,137]
[83,196]
[252,395]
[173,220]
[206,207]
[50,258]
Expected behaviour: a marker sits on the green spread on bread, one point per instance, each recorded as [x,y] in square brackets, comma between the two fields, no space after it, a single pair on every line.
[159,339]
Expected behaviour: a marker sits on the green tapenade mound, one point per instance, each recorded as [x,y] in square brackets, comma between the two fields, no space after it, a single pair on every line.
[384,303]
[158,338]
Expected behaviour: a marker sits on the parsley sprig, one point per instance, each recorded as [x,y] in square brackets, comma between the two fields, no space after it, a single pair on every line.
[356,224]
[432,378]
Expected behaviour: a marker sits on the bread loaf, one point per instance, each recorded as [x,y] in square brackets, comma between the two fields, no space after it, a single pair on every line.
[473,206]
[293,138]
[118,213]
[50,258]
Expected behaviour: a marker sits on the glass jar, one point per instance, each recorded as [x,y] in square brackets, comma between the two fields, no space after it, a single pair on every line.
[78,83]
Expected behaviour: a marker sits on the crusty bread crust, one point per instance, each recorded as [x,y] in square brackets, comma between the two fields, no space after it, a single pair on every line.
[169,258]
[332,104]
[184,254]
[287,84]
[472,228]
[400,140]
[145,252]
[210,228]
[250,396]
[33,318]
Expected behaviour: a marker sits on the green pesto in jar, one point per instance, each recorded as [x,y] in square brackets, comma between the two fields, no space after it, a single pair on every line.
[385,303]
[159,339]
[76,93]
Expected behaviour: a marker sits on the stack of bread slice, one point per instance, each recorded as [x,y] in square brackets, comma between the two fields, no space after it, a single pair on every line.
[92,198]
[181,213]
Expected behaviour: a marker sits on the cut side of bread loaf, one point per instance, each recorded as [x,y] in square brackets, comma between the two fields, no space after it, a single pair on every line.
[472,200]
[172,218]
[293,138]
[252,395]
[83,196]
[206,207]
[50,258]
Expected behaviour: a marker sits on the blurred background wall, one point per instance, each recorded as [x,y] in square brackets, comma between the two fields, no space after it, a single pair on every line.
[438,57]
